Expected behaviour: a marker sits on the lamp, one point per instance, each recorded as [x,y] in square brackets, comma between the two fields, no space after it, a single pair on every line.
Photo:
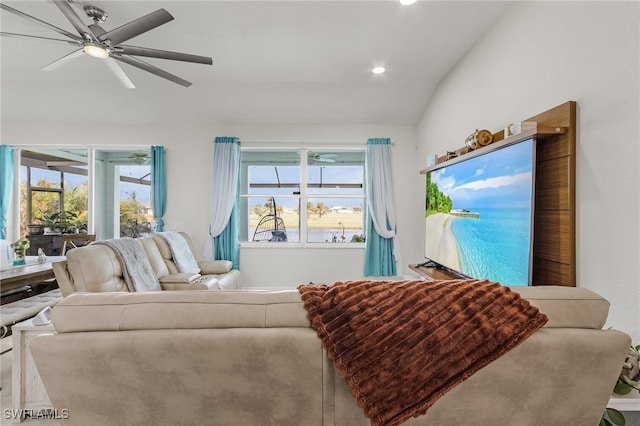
[406,2]
[95,50]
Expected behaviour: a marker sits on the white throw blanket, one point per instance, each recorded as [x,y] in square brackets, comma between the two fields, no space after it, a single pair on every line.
[181,252]
[136,268]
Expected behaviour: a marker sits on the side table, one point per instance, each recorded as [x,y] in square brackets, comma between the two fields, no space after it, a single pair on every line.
[28,392]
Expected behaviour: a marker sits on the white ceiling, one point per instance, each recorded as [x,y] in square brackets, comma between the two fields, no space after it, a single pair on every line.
[274,62]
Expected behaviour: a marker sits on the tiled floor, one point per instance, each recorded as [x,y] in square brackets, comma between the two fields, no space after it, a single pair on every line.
[6,361]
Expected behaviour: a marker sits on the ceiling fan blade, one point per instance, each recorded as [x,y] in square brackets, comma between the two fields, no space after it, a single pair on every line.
[65,59]
[119,73]
[137,27]
[40,22]
[151,68]
[57,40]
[75,20]
[163,54]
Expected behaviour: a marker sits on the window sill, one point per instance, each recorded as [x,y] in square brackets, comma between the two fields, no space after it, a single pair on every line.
[283,245]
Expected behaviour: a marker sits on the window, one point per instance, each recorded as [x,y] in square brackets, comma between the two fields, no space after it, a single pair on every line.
[123,179]
[136,217]
[55,191]
[302,196]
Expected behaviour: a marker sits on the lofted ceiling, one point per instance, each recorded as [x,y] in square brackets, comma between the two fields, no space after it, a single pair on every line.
[278,62]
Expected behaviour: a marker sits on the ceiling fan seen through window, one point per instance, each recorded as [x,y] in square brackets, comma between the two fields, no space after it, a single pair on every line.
[95,41]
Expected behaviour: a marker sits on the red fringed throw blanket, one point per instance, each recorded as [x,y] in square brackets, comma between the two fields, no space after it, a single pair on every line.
[401,345]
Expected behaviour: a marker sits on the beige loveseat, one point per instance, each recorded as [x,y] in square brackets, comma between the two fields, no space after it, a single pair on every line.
[95,268]
[250,358]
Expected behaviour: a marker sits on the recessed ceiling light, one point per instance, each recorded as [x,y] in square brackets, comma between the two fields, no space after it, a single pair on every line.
[407,2]
[378,70]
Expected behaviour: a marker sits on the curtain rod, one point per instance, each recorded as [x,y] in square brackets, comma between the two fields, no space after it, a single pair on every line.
[77,146]
[276,143]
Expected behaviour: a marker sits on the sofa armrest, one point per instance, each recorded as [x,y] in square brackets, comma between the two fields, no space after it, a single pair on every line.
[180,278]
[63,278]
[215,266]
[230,280]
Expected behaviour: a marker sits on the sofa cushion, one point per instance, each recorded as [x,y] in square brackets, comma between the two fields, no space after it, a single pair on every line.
[95,268]
[566,307]
[165,252]
[181,252]
[179,309]
[155,257]
[182,277]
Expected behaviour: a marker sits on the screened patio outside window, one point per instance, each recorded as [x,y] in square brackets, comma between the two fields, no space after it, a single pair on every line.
[328,184]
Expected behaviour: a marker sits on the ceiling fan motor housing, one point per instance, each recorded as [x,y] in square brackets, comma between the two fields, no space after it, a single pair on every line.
[96,13]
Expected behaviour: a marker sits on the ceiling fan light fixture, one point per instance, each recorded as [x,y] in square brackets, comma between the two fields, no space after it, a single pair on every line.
[96,51]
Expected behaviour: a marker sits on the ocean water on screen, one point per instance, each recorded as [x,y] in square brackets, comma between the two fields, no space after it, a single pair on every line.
[496,246]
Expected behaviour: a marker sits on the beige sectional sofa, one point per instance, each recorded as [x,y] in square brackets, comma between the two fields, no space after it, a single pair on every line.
[95,268]
[251,358]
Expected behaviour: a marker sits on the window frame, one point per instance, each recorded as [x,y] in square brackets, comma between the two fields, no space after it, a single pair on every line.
[302,197]
[32,188]
[94,213]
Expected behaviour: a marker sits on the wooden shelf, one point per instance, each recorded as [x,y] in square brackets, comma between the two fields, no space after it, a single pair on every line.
[431,274]
[533,130]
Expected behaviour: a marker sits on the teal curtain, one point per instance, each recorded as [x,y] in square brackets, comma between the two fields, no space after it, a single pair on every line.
[225,201]
[6,186]
[381,252]
[378,253]
[158,186]
[226,245]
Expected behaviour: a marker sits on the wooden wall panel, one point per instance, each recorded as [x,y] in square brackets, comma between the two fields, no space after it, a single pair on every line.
[546,272]
[550,236]
[554,251]
[553,184]
[552,147]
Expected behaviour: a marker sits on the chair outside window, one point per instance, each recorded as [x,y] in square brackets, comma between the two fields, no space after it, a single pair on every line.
[70,241]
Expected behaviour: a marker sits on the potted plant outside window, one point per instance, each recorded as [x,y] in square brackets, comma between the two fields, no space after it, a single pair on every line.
[65,222]
[35,229]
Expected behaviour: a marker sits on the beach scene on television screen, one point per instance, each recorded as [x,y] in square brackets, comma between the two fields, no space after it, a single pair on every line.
[478,215]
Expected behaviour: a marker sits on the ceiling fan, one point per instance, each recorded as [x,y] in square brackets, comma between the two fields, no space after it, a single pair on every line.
[95,41]
[315,157]
[137,157]
[140,158]
[312,157]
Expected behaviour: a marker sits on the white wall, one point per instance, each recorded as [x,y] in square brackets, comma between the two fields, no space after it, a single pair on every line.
[540,55]
[188,166]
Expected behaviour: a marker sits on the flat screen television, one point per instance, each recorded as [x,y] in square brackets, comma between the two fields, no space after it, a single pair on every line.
[479,214]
